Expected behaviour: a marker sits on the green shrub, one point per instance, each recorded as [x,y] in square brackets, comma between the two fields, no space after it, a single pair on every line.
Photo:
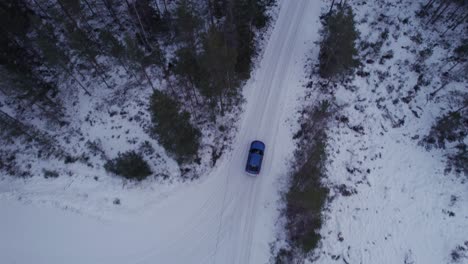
[172,127]
[130,165]
[50,174]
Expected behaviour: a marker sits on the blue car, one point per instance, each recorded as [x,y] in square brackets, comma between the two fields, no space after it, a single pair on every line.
[254,161]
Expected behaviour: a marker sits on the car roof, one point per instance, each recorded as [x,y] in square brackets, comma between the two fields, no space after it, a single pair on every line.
[255,159]
[257,144]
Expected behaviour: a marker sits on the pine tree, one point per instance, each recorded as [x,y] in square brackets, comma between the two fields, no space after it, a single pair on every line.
[130,165]
[218,62]
[244,15]
[337,50]
[172,127]
[20,62]
[138,60]
[188,67]
[188,23]
[55,56]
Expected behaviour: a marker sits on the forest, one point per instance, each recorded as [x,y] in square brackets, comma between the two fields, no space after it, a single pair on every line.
[193,56]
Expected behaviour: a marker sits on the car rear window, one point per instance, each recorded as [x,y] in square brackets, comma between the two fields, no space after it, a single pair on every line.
[253,168]
[256,151]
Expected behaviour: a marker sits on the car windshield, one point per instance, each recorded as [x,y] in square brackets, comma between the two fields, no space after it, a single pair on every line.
[256,151]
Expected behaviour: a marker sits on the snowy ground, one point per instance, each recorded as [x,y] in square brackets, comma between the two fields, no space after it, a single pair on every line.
[402,208]
[225,217]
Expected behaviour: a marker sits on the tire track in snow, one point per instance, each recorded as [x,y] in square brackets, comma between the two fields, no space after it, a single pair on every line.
[278,108]
[270,96]
[266,124]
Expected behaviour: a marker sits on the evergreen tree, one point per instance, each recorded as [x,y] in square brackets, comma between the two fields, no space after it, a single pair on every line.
[218,62]
[19,61]
[188,23]
[187,66]
[14,18]
[337,50]
[245,15]
[139,60]
[153,21]
[130,165]
[55,56]
[172,127]
[219,8]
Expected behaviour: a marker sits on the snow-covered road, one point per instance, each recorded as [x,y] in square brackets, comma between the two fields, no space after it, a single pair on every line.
[226,217]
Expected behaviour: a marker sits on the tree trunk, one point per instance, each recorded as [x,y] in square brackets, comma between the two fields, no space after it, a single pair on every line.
[171,87]
[41,8]
[119,59]
[63,66]
[156,3]
[136,27]
[112,14]
[13,122]
[128,70]
[96,65]
[65,11]
[439,89]
[455,65]
[459,22]
[429,3]
[221,104]
[436,17]
[210,11]
[99,70]
[331,8]
[189,98]
[450,17]
[438,9]
[193,90]
[74,78]
[461,108]
[143,32]
[165,5]
[28,53]
[147,77]
[90,8]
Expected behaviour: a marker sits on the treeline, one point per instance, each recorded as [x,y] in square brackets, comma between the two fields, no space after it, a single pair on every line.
[215,51]
[214,41]
[203,49]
